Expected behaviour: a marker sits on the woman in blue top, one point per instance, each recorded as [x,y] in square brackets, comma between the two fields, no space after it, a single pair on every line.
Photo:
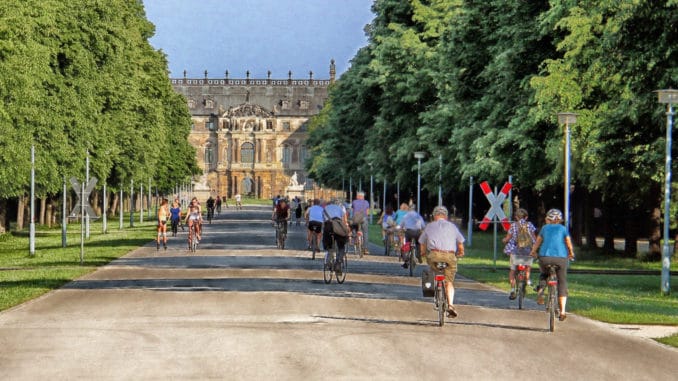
[555,248]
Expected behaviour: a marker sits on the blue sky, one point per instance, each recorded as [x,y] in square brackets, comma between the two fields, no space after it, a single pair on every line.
[258,35]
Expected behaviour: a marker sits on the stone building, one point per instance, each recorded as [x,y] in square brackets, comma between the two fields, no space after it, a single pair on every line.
[250,134]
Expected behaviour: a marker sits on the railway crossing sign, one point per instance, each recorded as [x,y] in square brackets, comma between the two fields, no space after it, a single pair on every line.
[77,187]
[495,205]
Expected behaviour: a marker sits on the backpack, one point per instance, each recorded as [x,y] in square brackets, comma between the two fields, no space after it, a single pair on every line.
[524,238]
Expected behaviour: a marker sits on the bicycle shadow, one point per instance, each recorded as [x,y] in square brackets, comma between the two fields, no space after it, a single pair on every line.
[427,323]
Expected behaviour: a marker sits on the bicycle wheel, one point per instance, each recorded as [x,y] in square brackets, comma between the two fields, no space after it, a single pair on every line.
[521,293]
[344,268]
[359,245]
[441,302]
[328,268]
[411,260]
[387,245]
[314,245]
[552,309]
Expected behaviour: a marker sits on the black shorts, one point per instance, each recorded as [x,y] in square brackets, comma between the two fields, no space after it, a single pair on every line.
[315,226]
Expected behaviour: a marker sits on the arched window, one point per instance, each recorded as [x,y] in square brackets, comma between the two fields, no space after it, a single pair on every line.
[247,153]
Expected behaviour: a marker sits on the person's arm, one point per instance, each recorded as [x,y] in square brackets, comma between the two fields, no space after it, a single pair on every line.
[570,250]
[460,249]
[535,247]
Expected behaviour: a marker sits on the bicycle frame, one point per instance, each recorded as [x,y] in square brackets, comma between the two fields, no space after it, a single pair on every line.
[552,305]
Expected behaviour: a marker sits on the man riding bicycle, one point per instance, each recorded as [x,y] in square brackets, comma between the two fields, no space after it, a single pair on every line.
[210,206]
[314,221]
[334,210]
[360,208]
[281,214]
[412,223]
[445,244]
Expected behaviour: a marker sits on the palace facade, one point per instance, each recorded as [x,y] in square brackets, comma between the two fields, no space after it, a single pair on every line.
[250,134]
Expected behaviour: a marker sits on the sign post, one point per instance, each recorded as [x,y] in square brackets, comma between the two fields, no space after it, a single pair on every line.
[495,214]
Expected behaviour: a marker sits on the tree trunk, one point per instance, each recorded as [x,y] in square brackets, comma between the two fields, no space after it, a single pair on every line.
[608,232]
[631,233]
[114,204]
[4,218]
[49,213]
[43,210]
[95,203]
[21,208]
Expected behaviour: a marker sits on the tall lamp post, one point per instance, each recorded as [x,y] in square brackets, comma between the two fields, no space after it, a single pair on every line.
[567,118]
[668,97]
[371,193]
[419,155]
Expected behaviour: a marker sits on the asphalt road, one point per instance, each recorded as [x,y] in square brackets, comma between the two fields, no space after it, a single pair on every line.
[240,309]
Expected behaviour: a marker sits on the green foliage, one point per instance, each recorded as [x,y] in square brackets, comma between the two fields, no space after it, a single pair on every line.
[78,77]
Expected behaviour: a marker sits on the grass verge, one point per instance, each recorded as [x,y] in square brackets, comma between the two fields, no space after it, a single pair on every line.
[24,277]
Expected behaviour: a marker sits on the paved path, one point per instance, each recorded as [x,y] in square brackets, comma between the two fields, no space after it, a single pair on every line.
[239,309]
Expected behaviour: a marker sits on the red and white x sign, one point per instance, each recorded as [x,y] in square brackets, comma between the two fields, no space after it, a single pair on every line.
[495,205]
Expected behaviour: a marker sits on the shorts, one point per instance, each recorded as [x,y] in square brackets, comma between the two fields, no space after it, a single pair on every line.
[315,226]
[162,223]
[450,271]
[515,260]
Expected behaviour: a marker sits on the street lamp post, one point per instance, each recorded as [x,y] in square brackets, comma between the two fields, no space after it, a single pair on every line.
[371,193]
[567,118]
[419,155]
[668,97]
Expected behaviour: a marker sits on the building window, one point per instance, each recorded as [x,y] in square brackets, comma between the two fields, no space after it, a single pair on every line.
[303,105]
[191,103]
[209,103]
[286,126]
[247,153]
[285,104]
[304,154]
[286,154]
[269,124]
[210,125]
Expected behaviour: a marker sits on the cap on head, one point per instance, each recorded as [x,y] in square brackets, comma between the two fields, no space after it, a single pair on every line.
[440,211]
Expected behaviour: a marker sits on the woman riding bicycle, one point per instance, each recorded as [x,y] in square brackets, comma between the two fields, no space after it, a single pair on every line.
[194,218]
[555,248]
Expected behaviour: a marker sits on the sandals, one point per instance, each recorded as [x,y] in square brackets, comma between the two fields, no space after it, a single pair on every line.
[451,312]
[562,317]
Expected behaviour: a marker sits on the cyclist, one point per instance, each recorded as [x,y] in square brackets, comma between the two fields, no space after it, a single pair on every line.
[175,212]
[163,214]
[314,222]
[210,207]
[335,210]
[218,203]
[194,216]
[412,223]
[281,213]
[238,201]
[387,222]
[519,241]
[555,248]
[360,208]
[444,243]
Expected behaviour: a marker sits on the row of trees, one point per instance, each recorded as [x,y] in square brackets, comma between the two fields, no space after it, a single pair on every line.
[481,83]
[80,76]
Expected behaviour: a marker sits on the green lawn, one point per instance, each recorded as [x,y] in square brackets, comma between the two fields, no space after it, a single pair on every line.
[24,277]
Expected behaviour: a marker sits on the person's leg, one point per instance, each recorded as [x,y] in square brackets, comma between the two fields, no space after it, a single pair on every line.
[450,273]
[157,238]
[561,272]
[327,236]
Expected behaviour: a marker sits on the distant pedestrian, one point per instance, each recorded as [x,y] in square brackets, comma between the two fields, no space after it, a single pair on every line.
[163,215]
[175,217]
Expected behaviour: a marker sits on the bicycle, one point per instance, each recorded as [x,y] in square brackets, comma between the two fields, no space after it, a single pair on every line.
[329,265]
[440,293]
[521,284]
[210,215]
[411,255]
[192,237]
[388,242]
[356,240]
[552,307]
[280,235]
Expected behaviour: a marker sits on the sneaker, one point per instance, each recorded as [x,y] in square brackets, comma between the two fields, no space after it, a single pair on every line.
[165,246]
[451,312]
[337,268]
[157,245]
[562,317]
[405,265]
[512,295]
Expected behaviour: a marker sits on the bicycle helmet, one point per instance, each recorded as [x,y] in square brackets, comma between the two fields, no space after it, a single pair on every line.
[554,215]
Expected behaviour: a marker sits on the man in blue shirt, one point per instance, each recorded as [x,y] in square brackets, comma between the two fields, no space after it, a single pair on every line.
[314,220]
[412,223]
[334,210]
[360,208]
